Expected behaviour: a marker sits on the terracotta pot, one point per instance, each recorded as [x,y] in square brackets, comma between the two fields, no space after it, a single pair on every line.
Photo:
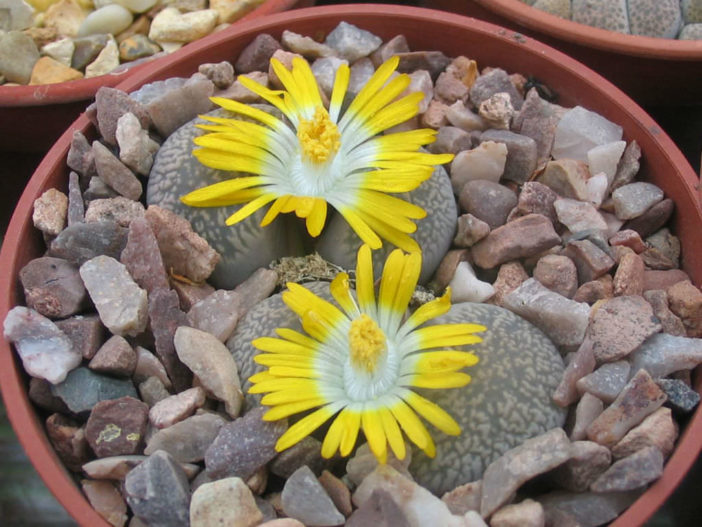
[663,164]
[653,71]
[33,117]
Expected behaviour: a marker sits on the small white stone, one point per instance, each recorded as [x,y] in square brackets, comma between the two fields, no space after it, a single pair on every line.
[112,18]
[420,81]
[60,50]
[604,158]
[137,6]
[465,286]
[597,188]
[324,71]
[105,62]
[486,161]
[172,26]
[580,130]
[462,117]
[578,215]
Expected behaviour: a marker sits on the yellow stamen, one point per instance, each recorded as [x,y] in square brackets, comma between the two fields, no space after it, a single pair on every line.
[366,343]
[319,137]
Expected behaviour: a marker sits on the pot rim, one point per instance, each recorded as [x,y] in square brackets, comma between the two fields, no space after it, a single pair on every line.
[603,39]
[20,410]
[82,89]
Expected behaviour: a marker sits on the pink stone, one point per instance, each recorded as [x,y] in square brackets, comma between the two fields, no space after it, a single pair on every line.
[628,280]
[620,325]
[527,513]
[632,472]
[663,279]
[581,365]
[686,302]
[590,260]
[464,498]
[558,273]
[50,212]
[588,460]
[639,398]
[338,492]
[470,230]
[68,439]
[509,277]
[669,321]
[588,409]
[628,238]
[217,314]
[605,382]
[176,407]
[115,357]
[107,500]
[115,173]
[523,237]
[184,252]
[117,426]
[435,116]
[658,429]
[142,257]
[595,290]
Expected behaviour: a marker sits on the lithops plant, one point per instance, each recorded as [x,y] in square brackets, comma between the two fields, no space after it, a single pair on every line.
[326,163]
[650,18]
[246,247]
[513,369]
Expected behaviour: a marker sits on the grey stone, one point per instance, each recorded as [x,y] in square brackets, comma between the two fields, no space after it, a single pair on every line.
[581,363]
[533,457]
[76,207]
[588,509]
[40,394]
[432,61]
[681,397]
[136,148]
[87,49]
[81,242]
[351,42]
[257,54]
[487,201]
[496,81]
[653,219]
[158,492]
[632,472]
[188,440]
[307,452]
[579,215]
[538,119]
[563,320]
[213,365]
[670,322]
[115,173]
[120,302]
[662,354]
[632,200]
[217,314]
[364,462]
[605,382]
[591,261]
[521,153]
[243,446]
[46,352]
[305,499]
[221,73]
[83,389]
[152,391]
[18,54]
[259,285]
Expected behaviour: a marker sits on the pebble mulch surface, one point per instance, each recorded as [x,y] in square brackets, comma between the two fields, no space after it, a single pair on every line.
[664,518]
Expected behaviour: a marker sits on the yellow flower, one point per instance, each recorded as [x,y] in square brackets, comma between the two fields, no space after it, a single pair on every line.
[359,363]
[322,156]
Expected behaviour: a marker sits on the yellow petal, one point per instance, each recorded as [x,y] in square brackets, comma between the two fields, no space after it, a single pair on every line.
[373,430]
[433,413]
[275,209]
[340,290]
[443,361]
[334,435]
[389,233]
[301,300]
[274,345]
[375,83]
[224,191]
[277,384]
[428,311]
[360,227]
[317,217]
[288,409]
[413,427]
[446,335]
[393,433]
[248,209]
[365,287]
[341,83]
[249,111]
[292,395]
[352,424]
[280,359]
[440,380]
[304,427]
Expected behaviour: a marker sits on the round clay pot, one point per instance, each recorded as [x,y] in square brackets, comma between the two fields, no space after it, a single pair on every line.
[490,45]
[653,71]
[33,117]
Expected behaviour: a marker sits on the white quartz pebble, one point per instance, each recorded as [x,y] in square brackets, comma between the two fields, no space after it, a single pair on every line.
[580,130]
[466,287]
[111,18]
[605,158]
[597,188]
[60,50]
